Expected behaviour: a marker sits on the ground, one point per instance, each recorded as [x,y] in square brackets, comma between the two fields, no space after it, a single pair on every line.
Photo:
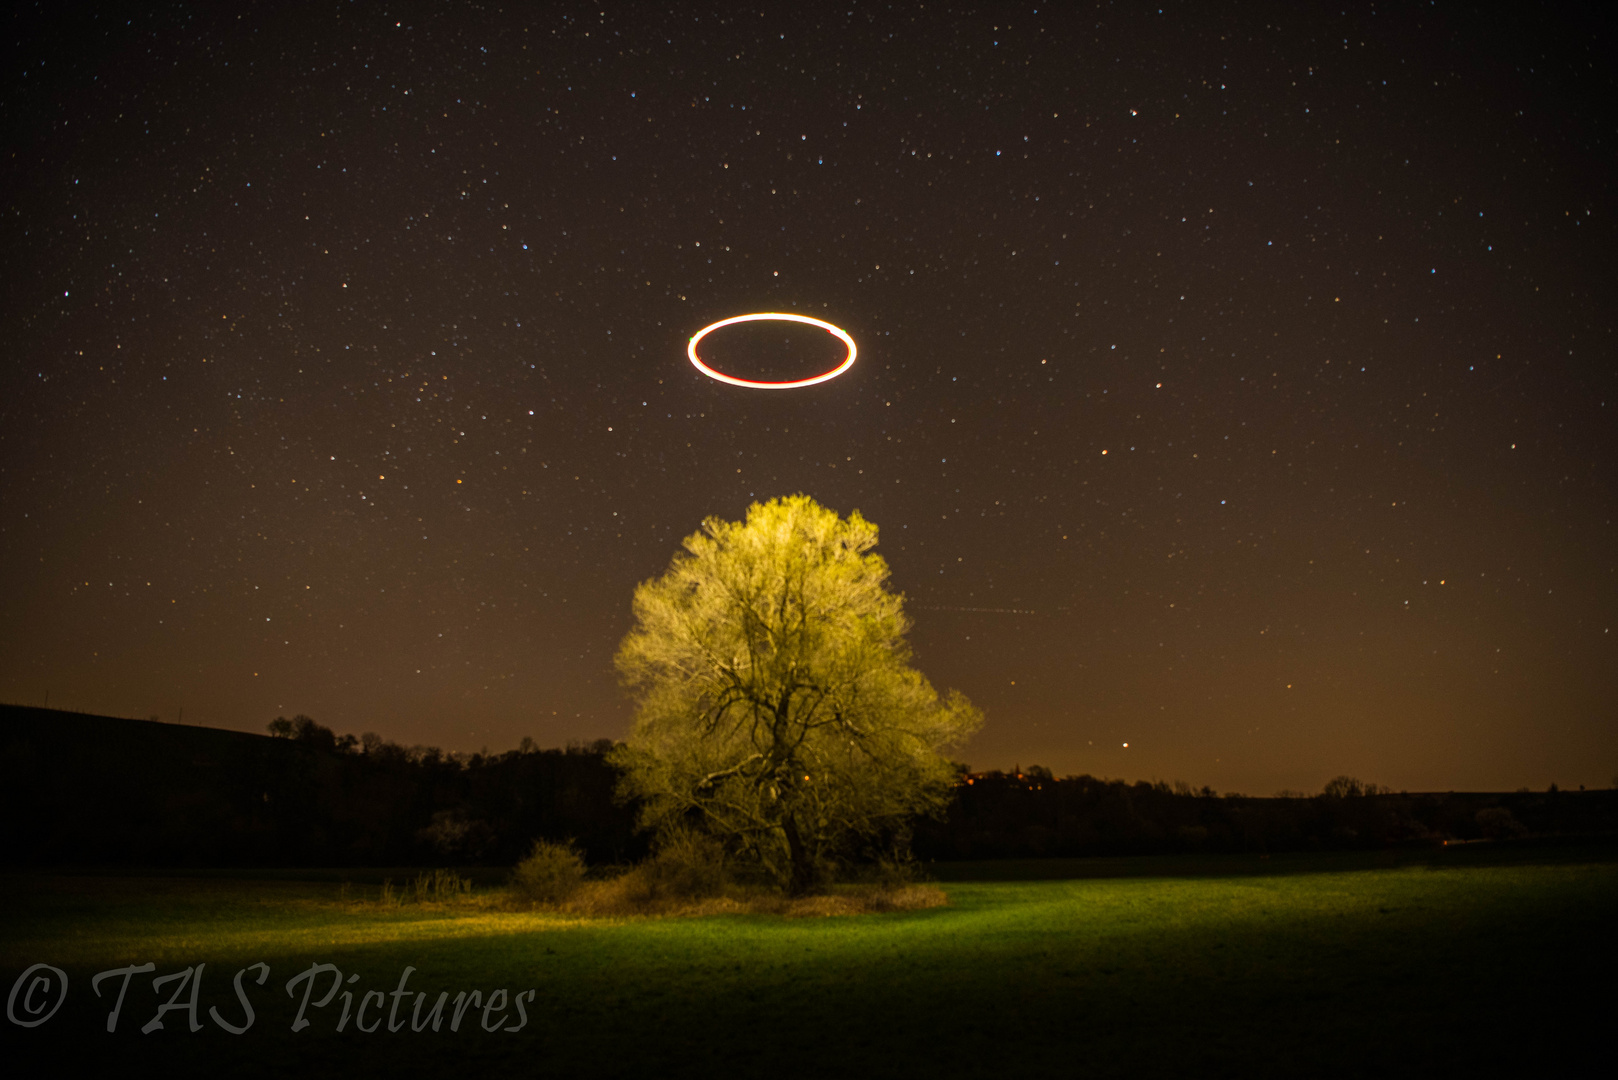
[1345,964]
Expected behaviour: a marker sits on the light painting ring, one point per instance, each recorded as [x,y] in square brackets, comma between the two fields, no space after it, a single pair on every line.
[772,316]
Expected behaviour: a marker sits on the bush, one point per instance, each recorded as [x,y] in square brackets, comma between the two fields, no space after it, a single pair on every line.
[649,889]
[1192,836]
[687,866]
[685,873]
[889,871]
[550,874]
[688,874]
[1499,823]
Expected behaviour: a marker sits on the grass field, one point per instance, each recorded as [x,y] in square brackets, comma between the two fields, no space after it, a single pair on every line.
[1480,959]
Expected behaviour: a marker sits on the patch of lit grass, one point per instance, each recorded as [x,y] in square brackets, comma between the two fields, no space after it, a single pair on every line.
[1293,968]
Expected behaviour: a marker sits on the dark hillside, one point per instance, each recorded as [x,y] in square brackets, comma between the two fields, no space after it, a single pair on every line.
[78,788]
[1021,815]
[83,789]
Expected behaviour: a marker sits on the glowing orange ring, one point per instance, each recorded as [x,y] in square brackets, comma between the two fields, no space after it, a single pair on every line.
[772,316]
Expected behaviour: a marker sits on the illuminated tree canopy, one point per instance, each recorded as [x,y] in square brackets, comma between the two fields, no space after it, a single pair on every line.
[776,708]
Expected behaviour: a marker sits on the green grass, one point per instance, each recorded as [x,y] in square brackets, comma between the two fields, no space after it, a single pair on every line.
[1309,966]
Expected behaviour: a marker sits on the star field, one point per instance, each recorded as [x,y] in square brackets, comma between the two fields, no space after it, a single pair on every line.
[1237,385]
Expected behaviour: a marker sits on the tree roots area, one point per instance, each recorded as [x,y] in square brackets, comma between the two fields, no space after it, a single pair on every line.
[1479,958]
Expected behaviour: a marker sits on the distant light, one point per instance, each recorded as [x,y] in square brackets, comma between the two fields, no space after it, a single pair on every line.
[771,316]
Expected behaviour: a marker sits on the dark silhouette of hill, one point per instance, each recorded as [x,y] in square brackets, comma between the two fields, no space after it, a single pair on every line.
[1032,814]
[79,788]
[82,789]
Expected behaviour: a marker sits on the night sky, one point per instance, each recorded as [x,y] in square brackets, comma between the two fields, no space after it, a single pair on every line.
[1239,386]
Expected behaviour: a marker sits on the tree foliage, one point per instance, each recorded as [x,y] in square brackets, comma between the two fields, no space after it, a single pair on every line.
[776,708]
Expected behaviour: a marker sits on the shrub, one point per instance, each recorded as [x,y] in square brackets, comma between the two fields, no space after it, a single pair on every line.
[687,866]
[1192,836]
[685,873]
[890,871]
[1499,823]
[550,873]
[688,874]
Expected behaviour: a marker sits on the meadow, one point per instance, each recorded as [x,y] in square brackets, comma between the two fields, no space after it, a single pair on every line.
[1480,957]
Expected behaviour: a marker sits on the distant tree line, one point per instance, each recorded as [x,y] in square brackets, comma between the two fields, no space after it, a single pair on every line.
[100,790]
[85,789]
[1030,813]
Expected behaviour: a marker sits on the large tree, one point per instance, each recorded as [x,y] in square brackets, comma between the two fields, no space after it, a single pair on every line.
[776,706]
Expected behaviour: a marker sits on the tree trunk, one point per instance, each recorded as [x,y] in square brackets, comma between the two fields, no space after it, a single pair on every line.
[804,876]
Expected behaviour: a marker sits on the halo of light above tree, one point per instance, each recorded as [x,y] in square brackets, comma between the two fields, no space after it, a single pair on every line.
[772,316]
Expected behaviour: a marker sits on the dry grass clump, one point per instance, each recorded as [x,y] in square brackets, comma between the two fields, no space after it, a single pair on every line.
[688,875]
[637,893]
[435,889]
[862,900]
